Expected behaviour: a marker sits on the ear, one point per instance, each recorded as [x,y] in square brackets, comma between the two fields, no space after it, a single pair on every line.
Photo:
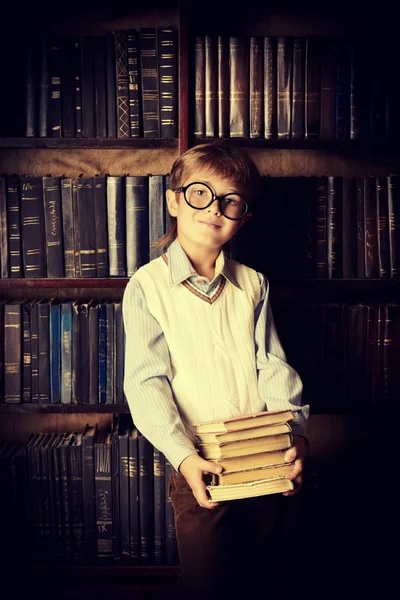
[172,203]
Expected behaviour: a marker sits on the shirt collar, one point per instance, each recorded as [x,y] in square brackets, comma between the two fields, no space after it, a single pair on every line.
[180,267]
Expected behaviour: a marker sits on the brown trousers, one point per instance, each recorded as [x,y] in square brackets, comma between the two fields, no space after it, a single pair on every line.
[233,549]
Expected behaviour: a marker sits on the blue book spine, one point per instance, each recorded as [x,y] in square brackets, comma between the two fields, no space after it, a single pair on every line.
[102,353]
[55,352]
[66,354]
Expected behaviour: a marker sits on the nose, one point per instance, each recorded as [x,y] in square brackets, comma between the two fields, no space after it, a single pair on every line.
[212,206]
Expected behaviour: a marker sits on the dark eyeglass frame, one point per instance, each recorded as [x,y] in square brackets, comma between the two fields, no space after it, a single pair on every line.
[183,189]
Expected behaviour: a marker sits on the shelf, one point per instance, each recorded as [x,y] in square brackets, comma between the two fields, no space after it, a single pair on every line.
[28,407]
[93,143]
[64,282]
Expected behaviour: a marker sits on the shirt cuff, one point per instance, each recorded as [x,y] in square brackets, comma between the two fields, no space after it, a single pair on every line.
[176,451]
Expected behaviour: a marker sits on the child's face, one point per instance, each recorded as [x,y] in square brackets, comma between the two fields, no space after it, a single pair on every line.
[208,227]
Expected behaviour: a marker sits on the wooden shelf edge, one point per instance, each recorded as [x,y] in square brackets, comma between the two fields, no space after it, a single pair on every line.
[87,143]
[64,282]
[28,407]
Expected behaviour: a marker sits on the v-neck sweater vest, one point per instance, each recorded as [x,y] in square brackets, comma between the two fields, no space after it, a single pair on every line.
[211,342]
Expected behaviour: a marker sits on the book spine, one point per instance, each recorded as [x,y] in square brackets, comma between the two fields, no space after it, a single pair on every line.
[210,85]
[270,87]
[159,507]
[99,84]
[110,353]
[76,227]
[55,61]
[56,475]
[118,354]
[111,88]
[312,89]
[4,235]
[390,350]
[156,212]
[68,82]
[53,226]
[349,227]
[343,91]
[334,228]
[93,354]
[100,225]
[86,224]
[35,351]
[393,182]
[298,81]
[146,495]
[102,462]
[14,225]
[78,87]
[12,352]
[66,352]
[33,227]
[284,85]
[65,501]
[134,91]
[26,350]
[223,86]
[256,87]
[75,372]
[30,89]
[370,228]
[68,226]
[359,105]
[45,497]
[149,71]
[134,531]
[199,87]
[102,354]
[55,352]
[238,87]
[116,204]
[122,84]
[360,229]
[76,499]
[328,89]
[89,499]
[115,484]
[171,547]
[88,87]
[44,94]
[321,229]
[124,498]
[168,68]
[383,227]
[137,222]
[84,368]
[44,351]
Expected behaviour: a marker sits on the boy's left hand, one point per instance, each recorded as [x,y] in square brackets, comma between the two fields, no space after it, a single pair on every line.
[296,453]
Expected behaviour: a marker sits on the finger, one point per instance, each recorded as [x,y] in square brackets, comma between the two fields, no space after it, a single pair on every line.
[211,467]
[297,470]
[204,501]
[291,455]
[298,483]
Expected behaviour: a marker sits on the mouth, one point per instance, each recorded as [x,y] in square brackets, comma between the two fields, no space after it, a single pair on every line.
[210,224]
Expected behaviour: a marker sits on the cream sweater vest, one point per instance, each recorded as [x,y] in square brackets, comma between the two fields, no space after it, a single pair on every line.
[212,355]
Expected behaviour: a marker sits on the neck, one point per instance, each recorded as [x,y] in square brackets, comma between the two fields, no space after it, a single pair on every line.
[203,259]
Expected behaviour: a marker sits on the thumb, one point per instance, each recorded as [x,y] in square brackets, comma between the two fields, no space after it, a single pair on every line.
[211,467]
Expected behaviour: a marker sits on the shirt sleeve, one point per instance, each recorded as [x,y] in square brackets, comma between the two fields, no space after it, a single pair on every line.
[279,385]
[147,379]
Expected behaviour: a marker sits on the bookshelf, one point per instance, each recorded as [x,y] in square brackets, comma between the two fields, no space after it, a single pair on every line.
[335,439]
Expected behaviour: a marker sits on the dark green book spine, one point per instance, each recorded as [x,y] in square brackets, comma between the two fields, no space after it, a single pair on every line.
[53,226]
[149,72]
[137,222]
[86,225]
[118,354]
[12,352]
[110,353]
[84,360]
[100,220]
[55,351]
[168,74]
[14,225]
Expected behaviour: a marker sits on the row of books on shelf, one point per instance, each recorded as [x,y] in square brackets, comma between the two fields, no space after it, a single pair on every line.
[62,352]
[306,227]
[347,354]
[91,497]
[97,226]
[324,228]
[283,87]
[120,85]
[72,352]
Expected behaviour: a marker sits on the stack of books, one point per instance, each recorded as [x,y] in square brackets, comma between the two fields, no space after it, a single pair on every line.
[251,450]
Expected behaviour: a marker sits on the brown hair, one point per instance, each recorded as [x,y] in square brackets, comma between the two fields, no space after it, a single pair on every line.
[221,158]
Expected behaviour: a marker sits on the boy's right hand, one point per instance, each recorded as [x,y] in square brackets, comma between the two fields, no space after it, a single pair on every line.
[193,468]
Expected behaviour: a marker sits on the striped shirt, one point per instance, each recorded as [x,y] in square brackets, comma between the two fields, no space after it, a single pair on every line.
[147,360]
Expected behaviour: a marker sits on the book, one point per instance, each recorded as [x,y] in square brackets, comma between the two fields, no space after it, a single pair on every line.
[252,461]
[248,421]
[266,472]
[220,493]
[243,434]
[243,447]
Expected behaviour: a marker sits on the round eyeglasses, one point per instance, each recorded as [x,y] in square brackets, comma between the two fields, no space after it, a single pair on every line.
[199,195]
